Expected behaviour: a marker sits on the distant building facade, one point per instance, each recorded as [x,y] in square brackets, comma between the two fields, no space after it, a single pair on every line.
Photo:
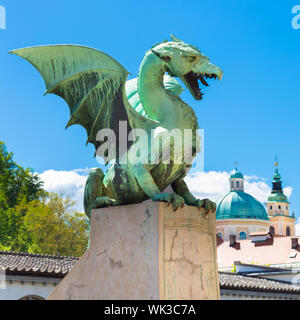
[239,214]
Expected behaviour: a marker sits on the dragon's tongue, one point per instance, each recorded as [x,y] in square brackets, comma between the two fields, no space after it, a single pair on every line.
[203,81]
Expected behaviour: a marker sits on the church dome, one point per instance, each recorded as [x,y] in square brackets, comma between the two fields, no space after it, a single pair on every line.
[240,205]
[237,175]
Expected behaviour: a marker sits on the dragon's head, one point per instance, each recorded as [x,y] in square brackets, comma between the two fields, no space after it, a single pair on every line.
[187,63]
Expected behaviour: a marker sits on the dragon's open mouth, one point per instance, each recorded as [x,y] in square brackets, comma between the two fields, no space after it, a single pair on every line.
[191,80]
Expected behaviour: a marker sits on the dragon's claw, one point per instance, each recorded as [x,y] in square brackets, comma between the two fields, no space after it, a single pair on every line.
[103,202]
[176,200]
[207,205]
[164,197]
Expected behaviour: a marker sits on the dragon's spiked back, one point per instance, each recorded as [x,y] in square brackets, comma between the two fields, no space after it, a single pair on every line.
[90,81]
[188,63]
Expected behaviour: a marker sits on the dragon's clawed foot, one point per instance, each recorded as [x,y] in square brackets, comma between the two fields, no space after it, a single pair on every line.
[176,200]
[207,205]
[103,202]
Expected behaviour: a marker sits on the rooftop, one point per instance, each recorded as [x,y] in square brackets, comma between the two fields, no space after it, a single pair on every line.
[277,250]
[236,175]
[251,283]
[240,205]
[36,264]
[59,266]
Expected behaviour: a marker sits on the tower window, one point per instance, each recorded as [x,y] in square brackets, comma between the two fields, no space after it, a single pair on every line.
[242,235]
[271,207]
[279,207]
[288,231]
[237,184]
[287,208]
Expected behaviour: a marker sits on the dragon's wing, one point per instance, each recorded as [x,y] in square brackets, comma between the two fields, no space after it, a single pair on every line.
[170,84]
[91,82]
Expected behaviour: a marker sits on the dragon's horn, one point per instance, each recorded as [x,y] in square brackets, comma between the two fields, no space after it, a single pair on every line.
[175,39]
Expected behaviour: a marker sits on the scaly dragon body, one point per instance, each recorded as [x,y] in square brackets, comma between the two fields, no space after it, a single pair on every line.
[93,85]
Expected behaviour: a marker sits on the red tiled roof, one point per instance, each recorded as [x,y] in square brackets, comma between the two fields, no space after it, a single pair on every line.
[273,251]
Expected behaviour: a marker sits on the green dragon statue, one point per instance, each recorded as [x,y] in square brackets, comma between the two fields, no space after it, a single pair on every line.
[94,86]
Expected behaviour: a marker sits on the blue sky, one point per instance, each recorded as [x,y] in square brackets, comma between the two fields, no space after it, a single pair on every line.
[249,116]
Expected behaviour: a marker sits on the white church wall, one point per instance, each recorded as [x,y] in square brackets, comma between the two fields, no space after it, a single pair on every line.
[17,287]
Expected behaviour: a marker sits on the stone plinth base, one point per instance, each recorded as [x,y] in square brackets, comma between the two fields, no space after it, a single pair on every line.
[146,251]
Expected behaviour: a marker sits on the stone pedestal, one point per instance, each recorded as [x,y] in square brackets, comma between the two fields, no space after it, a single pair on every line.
[146,251]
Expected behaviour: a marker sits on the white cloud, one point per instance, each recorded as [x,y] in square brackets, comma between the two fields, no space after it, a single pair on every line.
[211,184]
[288,191]
[70,183]
[215,184]
[258,188]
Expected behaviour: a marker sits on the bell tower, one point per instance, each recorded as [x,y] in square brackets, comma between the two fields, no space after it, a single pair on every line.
[278,208]
[236,180]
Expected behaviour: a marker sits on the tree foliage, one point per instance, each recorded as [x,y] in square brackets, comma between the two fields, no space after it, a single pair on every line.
[51,227]
[31,220]
[16,183]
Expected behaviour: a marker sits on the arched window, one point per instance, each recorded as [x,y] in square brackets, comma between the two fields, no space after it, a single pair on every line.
[271,207]
[220,235]
[288,231]
[272,230]
[32,297]
[237,184]
[279,207]
[242,235]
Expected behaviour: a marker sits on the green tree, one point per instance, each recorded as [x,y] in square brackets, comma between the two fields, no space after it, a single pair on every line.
[31,220]
[17,186]
[51,227]
[16,183]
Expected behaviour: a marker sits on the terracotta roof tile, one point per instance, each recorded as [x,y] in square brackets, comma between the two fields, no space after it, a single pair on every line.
[273,251]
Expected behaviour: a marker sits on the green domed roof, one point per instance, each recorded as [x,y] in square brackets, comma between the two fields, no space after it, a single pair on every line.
[278,197]
[240,205]
[237,174]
